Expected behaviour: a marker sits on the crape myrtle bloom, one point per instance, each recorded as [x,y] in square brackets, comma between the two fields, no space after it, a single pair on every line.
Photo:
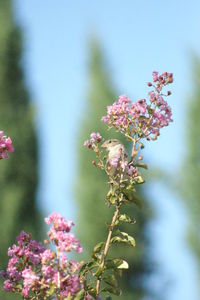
[34,268]
[59,233]
[6,146]
[145,117]
[95,138]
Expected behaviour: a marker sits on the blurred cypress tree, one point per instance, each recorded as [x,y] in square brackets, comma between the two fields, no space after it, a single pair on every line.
[91,185]
[18,174]
[190,173]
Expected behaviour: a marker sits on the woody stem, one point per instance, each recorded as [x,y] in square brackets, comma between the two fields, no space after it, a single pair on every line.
[107,245]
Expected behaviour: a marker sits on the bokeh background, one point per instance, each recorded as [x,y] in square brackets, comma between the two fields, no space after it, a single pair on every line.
[61,63]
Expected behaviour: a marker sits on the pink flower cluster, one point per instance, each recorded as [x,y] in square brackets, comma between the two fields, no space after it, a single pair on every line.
[35,269]
[5,145]
[59,234]
[95,138]
[142,118]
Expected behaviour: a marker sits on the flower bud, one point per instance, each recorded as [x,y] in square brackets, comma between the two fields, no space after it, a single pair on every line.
[94,162]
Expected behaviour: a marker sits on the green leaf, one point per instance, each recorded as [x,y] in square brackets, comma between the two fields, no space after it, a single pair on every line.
[112,199]
[142,117]
[150,110]
[113,263]
[130,188]
[129,238]
[126,239]
[139,180]
[83,270]
[124,265]
[80,295]
[108,298]
[125,218]
[112,290]
[98,272]
[98,247]
[117,239]
[141,165]
[141,145]
[111,280]
[86,267]
[51,290]
[92,292]
[131,197]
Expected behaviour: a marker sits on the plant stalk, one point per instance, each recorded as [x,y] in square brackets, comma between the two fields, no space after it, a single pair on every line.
[107,245]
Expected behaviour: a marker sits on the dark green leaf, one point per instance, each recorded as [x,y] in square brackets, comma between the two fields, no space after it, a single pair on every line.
[112,290]
[98,272]
[111,280]
[98,247]
[92,292]
[113,263]
[86,267]
[142,117]
[150,110]
[83,270]
[131,197]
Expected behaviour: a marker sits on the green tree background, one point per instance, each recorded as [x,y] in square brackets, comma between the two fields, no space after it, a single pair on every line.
[91,187]
[189,184]
[18,176]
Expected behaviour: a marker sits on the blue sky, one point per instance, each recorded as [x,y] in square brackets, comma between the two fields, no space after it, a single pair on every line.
[137,38]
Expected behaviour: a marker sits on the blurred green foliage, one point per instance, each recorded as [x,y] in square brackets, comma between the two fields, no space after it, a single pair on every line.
[91,187]
[190,172]
[18,174]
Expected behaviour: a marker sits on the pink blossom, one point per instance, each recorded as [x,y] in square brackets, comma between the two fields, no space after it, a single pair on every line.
[32,266]
[8,285]
[47,255]
[132,171]
[95,138]
[141,106]
[5,145]
[59,222]
[30,277]
[142,118]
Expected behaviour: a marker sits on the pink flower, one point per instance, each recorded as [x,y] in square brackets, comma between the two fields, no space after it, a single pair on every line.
[47,255]
[8,285]
[95,138]
[32,267]
[155,76]
[59,222]
[30,277]
[141,106]
[142,118]
[5,145]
